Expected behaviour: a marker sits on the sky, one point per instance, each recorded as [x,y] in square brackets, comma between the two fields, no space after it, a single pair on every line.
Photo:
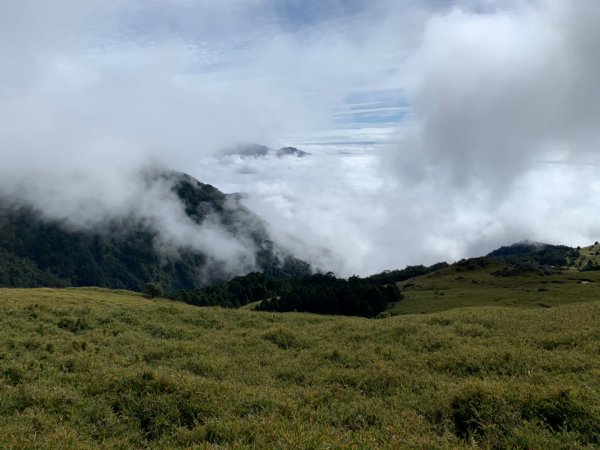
[437,129]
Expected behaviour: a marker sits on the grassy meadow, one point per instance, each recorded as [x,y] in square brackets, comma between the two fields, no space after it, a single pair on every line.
[93,368]
[483,282]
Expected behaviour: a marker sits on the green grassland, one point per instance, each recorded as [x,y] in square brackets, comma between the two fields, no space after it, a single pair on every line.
[483,282]
[589,254]
[92,368]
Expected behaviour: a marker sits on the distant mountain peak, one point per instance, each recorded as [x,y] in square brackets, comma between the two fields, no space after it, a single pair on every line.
[291,151]
[254,150]
[251,150]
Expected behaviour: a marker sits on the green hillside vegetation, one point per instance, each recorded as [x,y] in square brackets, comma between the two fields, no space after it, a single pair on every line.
[122,254]
[488,282]
[317,293]
[525,275]
[586,258]
[92,368]
[522,253]
[589,257]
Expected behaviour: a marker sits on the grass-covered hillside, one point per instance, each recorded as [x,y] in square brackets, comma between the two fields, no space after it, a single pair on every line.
[85,368]
[486,282]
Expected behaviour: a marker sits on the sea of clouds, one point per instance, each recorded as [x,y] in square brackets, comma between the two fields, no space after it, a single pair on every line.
[499,141]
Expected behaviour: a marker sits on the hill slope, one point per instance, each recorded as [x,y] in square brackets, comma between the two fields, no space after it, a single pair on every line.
[489,282]
[124,253]
[84,368]
[536,253]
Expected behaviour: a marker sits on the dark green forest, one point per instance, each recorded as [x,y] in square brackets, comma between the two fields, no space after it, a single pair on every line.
[317,293]
[537,254]
[122,254]
[395,276]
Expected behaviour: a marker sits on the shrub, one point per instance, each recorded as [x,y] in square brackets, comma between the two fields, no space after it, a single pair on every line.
[480,413]
[283,339]
[562,410]
[153,290]
[73,325]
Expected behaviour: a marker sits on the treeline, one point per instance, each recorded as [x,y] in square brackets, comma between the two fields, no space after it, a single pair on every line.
[395,276]
[318,293]
[536,254]
[240,291]
[326,294]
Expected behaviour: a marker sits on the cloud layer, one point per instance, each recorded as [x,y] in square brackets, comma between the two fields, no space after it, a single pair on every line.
[499,145]
[506,121]
[438,129]
[93,92]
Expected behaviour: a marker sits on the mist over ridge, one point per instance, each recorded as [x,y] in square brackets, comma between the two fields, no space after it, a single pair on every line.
[436,131]
[209,238]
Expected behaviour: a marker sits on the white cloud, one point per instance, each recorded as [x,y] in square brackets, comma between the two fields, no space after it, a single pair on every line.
[93,90]
[494,94]
[497,93]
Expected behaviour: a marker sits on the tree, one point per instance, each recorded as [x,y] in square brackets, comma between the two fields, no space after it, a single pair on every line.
[153,290]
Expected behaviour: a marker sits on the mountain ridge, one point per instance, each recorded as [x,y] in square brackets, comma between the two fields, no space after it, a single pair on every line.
[122,253]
